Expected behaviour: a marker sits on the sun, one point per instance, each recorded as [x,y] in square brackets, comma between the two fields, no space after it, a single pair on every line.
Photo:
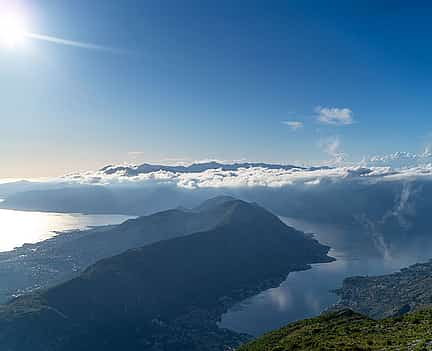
[13,30]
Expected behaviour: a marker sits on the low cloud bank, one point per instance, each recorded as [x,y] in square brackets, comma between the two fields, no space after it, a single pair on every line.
[246,177]
[377,208]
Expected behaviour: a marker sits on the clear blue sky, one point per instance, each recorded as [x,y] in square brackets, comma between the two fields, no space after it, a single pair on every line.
[201,79]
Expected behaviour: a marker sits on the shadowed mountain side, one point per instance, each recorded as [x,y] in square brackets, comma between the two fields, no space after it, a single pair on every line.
[165,290]
[10,188]
[145,230]
[129,200]
[82,199]
[382,217]
[66,255]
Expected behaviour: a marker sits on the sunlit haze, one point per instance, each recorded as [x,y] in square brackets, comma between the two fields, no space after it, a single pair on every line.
[13,29]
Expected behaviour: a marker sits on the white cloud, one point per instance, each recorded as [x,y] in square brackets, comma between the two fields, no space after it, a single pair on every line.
[334,115]
[427,152]
[294,125]
[400,159]
[254,177]
[331,146]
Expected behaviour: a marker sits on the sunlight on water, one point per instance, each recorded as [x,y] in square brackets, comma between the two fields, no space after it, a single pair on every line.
[20,227]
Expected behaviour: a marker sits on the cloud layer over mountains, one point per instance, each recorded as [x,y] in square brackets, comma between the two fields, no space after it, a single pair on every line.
[243,175]
[378,208]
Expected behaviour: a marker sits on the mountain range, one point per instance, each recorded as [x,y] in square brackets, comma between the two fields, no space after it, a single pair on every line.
[144,168]
[384,217]
[167,295]
[42,264]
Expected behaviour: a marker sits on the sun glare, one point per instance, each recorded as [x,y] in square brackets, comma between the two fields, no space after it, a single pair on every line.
[13,30]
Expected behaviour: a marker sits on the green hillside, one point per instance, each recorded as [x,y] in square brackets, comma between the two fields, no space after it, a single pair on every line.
[347,330]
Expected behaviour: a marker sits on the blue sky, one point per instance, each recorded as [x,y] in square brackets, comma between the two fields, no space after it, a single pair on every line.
[194,80]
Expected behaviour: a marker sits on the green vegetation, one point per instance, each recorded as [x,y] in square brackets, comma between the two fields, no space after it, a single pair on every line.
[347,330]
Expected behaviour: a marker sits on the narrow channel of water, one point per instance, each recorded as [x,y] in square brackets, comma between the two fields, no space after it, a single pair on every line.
[307,293]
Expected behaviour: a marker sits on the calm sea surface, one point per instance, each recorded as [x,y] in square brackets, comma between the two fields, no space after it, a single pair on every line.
[306,294]
[21,227]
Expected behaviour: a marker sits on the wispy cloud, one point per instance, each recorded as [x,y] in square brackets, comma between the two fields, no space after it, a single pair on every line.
[77,44]
[331,146]
[294,125]
[136,156]
[136,153]
[334,115]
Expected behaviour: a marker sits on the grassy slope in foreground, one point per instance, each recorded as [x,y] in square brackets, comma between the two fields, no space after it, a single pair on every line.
[347,330]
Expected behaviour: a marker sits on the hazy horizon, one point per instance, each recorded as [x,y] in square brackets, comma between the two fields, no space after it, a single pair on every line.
[86,84]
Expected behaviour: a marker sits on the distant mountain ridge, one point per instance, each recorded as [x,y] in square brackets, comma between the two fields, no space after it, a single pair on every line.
[388,217]
[167,295]
[193,168]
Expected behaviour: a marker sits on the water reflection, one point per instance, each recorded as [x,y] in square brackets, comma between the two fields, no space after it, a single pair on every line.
[306,294]
[20,227]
